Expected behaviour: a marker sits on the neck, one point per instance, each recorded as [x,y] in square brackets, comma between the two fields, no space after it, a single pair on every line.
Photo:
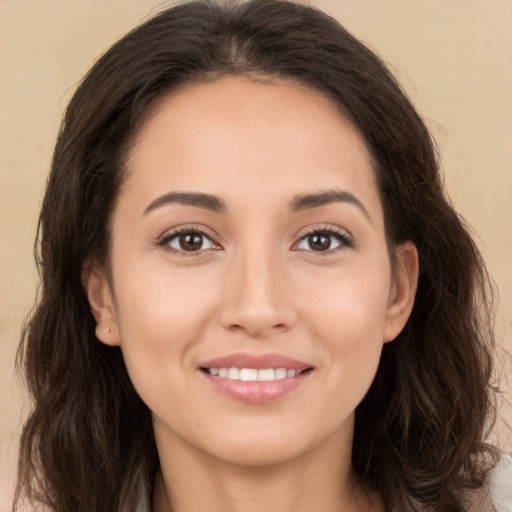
[319,480]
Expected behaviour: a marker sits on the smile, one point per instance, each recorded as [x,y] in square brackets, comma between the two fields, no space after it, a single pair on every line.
[255,378]
[253,374]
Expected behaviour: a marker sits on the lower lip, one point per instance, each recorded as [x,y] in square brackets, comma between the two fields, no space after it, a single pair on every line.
[256,392]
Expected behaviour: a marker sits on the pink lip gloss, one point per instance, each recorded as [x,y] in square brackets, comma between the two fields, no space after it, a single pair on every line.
[255,379]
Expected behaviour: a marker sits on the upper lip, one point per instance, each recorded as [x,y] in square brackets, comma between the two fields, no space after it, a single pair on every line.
[257,361]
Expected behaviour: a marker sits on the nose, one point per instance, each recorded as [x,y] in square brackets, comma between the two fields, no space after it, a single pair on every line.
[257,295]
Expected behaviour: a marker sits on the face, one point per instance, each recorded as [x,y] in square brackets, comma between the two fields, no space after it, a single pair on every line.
[251,290]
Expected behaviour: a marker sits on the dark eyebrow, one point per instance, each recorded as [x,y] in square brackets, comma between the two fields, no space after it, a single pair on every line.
[198,199]
[318,199]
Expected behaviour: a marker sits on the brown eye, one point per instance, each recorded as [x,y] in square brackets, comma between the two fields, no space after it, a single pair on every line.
[319,242]
[323,241]
[190,241]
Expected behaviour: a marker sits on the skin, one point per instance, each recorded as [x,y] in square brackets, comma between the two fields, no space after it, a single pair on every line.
[256,285]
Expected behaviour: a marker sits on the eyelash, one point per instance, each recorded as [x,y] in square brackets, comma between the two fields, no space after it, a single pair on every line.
[340,235]
[166,240]
[344,239]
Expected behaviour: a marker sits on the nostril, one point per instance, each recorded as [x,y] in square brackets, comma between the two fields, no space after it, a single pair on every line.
[257,328]
[257,315]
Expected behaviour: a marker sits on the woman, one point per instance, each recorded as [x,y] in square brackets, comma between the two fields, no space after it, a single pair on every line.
[254,291]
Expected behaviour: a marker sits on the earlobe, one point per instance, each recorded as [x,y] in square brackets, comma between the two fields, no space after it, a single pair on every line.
[97,289]
[403,290]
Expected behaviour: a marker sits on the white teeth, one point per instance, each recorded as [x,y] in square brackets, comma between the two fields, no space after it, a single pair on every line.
[266,374]
[253,374]
[248,374]
[280,373]
[234,374]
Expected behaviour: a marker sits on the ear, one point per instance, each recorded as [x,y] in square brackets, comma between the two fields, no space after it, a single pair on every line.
[99,294]
[403,290]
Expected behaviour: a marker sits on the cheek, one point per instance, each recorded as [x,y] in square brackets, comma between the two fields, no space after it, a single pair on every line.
[351,302]
[349,314]
[155,298]
[161,316]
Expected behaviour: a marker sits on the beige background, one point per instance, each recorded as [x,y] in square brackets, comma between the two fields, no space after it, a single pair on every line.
[453,57]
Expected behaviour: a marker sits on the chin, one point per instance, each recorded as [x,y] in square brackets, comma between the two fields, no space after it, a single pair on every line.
[259,454]
[281,444]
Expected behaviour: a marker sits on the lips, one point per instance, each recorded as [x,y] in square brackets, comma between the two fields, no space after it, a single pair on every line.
[255,378]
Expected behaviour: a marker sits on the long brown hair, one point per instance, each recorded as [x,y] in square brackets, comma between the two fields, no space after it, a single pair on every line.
[88,443]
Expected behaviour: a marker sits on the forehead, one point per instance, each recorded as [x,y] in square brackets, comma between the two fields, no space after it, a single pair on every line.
[241,136]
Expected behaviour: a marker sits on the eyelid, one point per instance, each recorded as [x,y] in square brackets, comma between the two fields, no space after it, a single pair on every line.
[340,234]
[164,240]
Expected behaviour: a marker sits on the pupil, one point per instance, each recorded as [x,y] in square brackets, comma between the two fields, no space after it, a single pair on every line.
[191,241]
[319,242]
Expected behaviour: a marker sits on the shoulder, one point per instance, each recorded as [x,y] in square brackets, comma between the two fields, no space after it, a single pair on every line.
[496,494]
[500,484]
